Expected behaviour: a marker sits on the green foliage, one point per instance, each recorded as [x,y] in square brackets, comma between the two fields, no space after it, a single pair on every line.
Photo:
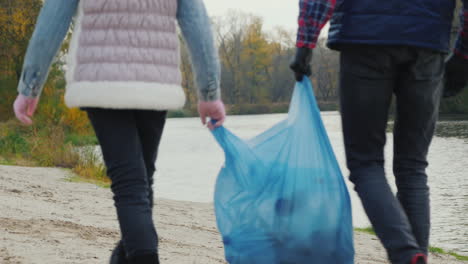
[255,67]
[47,146]
[81,140]
[7,96]
[11,142]
[57,131]
[17,20]
[254,62]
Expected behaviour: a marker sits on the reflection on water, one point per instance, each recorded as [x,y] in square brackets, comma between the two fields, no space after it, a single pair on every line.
[189,161]
[457,129]
[447,129]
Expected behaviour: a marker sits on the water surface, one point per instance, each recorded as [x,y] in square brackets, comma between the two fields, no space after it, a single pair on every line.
[189,161]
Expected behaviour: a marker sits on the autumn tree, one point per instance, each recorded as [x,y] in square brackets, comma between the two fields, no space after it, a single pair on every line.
[229,32]
[325,70]
[282,50]
[17,20]
[188,82]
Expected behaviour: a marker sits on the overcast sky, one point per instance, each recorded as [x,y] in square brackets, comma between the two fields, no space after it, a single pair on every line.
[274,12]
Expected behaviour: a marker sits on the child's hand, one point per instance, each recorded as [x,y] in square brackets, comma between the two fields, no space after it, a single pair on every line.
[215,110]
[24,108]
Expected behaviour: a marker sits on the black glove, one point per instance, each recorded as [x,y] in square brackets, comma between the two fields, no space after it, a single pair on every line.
[456,75]
[301,63]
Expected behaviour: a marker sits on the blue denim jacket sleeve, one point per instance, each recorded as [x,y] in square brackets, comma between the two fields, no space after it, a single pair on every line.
[196,29]
[51,28]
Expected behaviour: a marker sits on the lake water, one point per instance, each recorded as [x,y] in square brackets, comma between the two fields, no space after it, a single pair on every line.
[189,161]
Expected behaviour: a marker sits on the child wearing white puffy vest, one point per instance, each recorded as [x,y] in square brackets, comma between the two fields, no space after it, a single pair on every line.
[123,69]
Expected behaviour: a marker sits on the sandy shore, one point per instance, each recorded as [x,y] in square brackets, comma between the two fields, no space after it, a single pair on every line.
[45,219]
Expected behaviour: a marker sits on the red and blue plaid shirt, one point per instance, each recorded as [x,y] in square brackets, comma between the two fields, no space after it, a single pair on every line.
[314,14]
[461,48]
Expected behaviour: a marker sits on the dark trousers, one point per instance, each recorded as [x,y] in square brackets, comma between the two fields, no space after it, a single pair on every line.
[369,77]
[129,141]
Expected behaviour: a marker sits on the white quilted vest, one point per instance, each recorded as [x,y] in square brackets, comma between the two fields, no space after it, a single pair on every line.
[124,54]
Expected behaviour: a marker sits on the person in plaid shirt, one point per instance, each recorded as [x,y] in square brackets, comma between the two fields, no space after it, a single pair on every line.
[389,49]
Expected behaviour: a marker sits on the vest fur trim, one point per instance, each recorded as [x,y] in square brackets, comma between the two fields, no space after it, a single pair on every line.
[128,95]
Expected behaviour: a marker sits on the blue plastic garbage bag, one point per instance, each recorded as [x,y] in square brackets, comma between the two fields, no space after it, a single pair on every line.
[281,197]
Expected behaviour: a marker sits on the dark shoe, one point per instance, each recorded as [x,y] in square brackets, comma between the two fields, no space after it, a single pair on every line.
[144,259]
[118,255]
[419,259]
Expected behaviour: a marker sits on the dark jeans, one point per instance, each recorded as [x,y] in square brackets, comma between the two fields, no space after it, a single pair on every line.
[369,77]
[129,140]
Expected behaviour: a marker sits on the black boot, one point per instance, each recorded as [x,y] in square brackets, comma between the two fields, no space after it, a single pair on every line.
[118,255]
[144,259]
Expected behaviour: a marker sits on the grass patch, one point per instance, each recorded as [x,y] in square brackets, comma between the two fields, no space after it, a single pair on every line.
[76,178]
[436,250]
[48,146]
[17,162]
[90,168]
[49,149]
[81,140]
[368,230]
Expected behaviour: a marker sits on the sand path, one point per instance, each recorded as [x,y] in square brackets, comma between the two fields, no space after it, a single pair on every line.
[46,219]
